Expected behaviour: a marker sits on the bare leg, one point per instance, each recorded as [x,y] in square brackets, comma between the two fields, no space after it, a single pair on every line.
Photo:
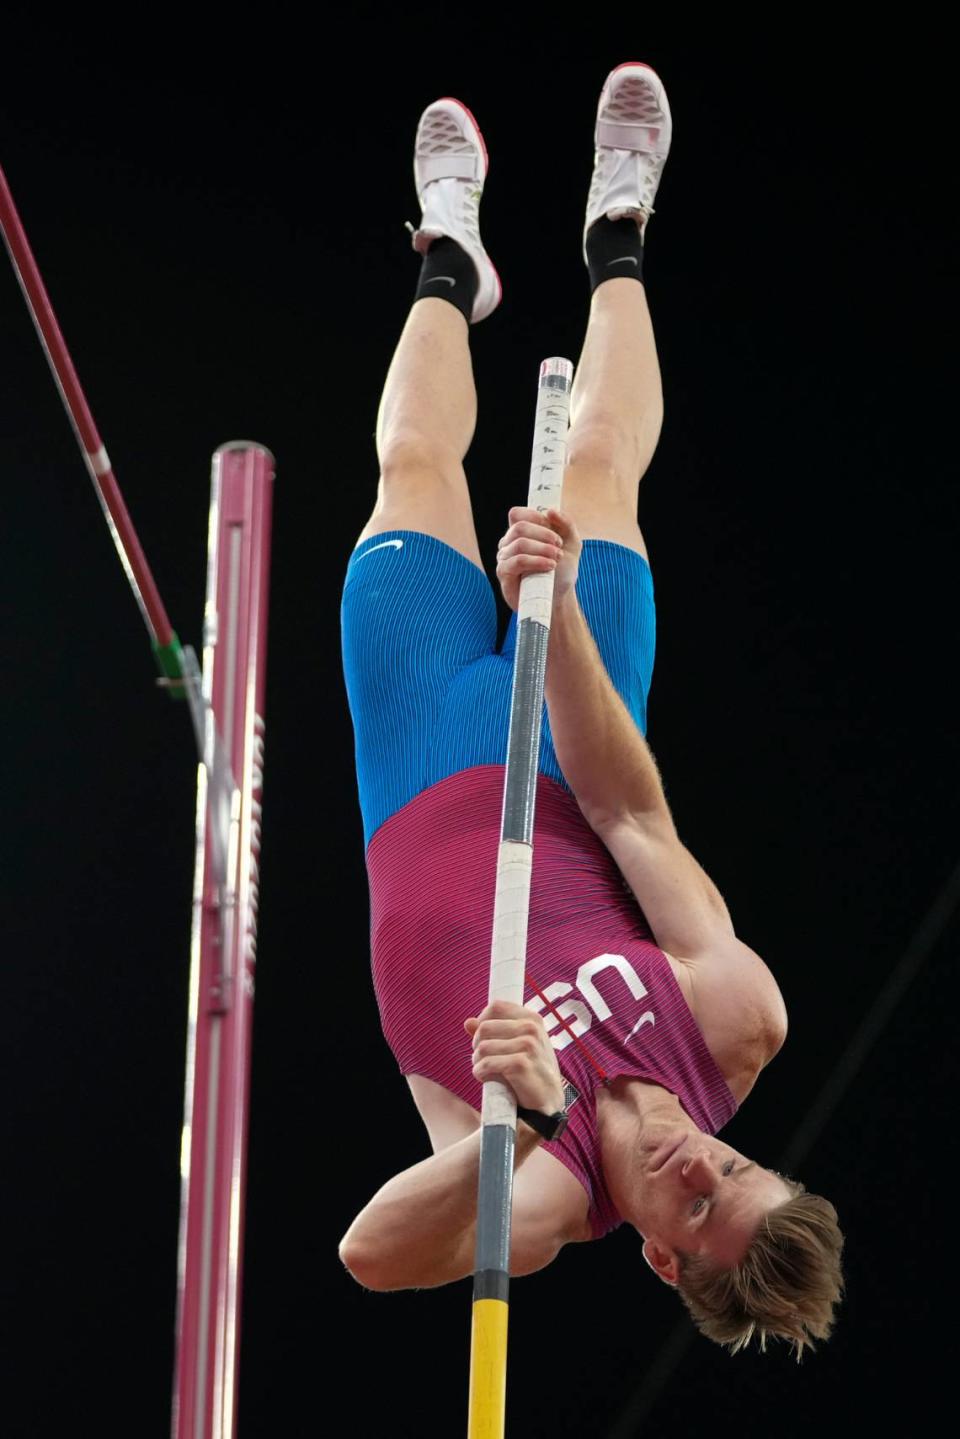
[616,415]
[426,420]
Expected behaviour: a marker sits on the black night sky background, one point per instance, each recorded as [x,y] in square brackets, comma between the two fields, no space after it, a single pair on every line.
[219,222]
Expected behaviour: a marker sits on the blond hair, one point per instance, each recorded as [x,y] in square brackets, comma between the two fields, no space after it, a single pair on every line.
[786,1286]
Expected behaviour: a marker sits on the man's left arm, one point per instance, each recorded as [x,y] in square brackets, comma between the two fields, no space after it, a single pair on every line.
[609,767]
[603,756]
[611,770]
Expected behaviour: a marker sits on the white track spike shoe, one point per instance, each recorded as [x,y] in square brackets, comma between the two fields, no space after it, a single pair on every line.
[632,139]
[450,166]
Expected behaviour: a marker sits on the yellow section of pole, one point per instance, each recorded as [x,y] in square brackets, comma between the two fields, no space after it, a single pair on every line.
[488,1370]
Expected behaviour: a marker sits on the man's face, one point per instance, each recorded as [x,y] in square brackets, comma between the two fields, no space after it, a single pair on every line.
[699,1196]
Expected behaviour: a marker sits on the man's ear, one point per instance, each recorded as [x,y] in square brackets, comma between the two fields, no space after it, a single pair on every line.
[663,1262]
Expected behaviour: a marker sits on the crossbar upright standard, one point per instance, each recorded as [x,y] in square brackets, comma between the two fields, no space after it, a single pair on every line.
[226,900]
[226,707]
[491,1280]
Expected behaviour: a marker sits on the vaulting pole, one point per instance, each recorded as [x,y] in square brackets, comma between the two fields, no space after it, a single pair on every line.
[491,1278]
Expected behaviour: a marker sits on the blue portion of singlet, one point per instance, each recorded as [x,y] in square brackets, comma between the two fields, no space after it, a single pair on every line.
[428,690]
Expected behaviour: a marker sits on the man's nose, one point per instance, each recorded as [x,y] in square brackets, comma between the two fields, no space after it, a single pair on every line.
[699,1170]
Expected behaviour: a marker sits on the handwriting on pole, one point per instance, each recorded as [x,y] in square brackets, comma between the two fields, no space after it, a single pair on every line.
[253,873]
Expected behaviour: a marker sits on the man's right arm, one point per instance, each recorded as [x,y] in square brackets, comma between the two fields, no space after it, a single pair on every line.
[419,1230]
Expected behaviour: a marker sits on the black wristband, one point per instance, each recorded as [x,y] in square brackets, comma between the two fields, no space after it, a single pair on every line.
[548,1126]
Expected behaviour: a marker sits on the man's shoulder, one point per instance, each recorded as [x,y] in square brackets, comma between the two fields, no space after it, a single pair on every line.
[738,1008]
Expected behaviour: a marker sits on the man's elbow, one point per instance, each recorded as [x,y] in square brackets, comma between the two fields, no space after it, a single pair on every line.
[369,1264]
[366,1265]
[387,1268]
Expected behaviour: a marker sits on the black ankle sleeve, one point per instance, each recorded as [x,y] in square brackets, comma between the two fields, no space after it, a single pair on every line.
[448,273]
[614,251]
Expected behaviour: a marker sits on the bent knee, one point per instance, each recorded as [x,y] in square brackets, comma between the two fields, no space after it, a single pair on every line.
[611,457]
[411,458]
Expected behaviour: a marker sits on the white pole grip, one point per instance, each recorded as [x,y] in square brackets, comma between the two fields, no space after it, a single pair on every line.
[546,475]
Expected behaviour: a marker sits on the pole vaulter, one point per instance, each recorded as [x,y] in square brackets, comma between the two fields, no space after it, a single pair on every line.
[226,706]
[623,1013]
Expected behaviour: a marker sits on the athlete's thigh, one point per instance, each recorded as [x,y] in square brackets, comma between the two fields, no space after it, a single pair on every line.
[615,591]
[415,615]
[431,502]
[596,519]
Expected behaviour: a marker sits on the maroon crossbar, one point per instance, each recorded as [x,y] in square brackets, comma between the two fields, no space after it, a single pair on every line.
[213,1150]
[121,526]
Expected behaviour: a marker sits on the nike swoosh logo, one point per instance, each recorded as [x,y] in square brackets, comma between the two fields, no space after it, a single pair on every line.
[449,279]
[644,1019]
[623,260]
[387,544]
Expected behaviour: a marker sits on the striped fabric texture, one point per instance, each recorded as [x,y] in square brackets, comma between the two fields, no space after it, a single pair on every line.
[607,993]
[428,690]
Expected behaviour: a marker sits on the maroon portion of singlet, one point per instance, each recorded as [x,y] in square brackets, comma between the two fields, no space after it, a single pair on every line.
[432,870]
